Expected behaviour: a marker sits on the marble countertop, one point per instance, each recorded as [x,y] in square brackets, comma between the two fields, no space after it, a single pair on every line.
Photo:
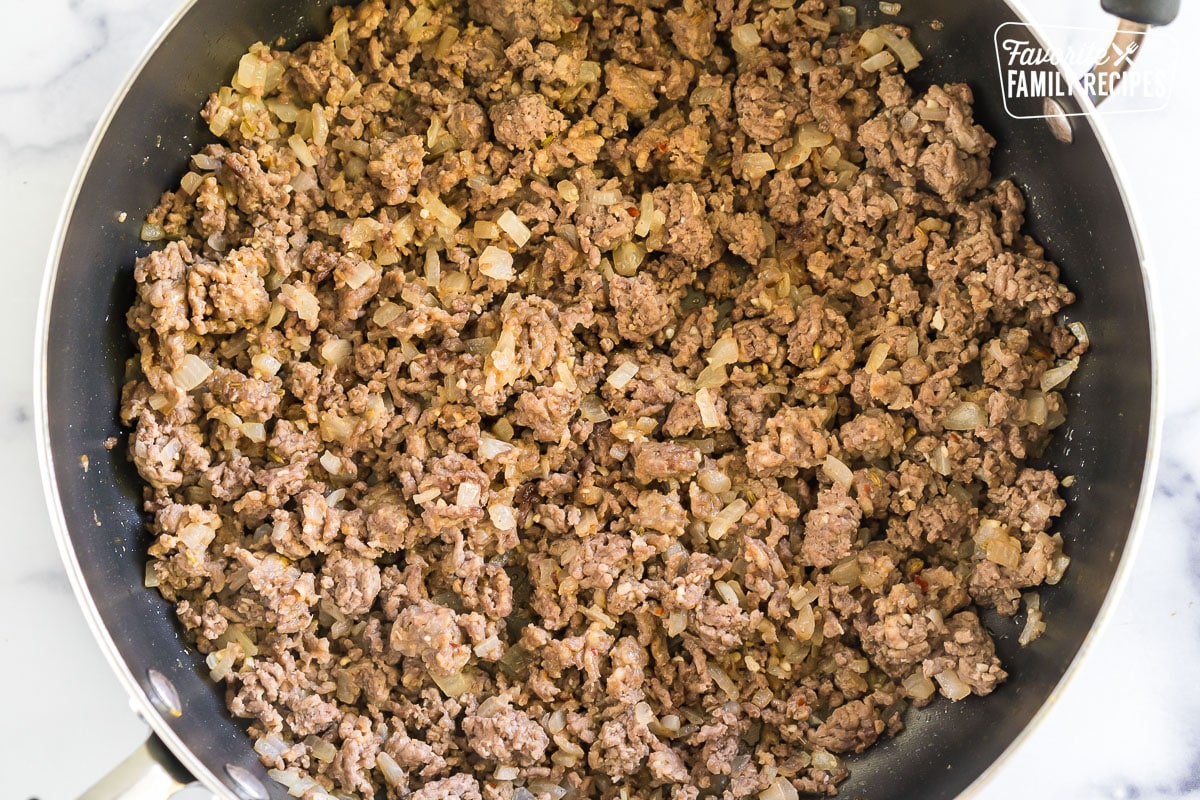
[1119,731]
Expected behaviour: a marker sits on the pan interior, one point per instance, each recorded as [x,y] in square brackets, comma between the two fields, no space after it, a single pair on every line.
[1076,209]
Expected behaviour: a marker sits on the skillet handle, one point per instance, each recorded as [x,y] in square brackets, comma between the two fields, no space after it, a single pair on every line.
[150,772]
[1147,12]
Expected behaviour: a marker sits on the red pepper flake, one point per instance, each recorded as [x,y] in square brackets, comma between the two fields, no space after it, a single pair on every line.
[919,581]
[632,211]
[662,146]
[801,701]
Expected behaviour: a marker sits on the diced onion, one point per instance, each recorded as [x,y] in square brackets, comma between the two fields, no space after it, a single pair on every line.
[871,41]
[221,121]
[726,518]
[486,229]
[308,308]
[713,376]
[514,227]
[320,133]
[252,73]
[547,787]
[357,275]
[506,773]
[303,786]
[1057,376]
[496,263]
[721,678]
[490,447]
[321,749]
[254,431]
[877,356]
[727,592]
[1077,330]
[1036,409]
[846,572]
[605,197]
[592,409]
[878,61]
[206,162]
[502,516]
[335,428]
[271,746]
[1005,551]
[743,38]
[838,472]
[965,416]
[151,232]
[191,372]
[714,480]
[452,685]
[794,156]
[622,375]
[997,545]
[433,268]
[347,689]
[1058,566]
[331,463]
[468,495]
[918,687]
[190,182]
[939,459]
[904,49]
[779,789]
[387,313]
[724,351]
[454,283]
[891,9]
[568,191]
[709,415]
[442,214]
[391,771]
[1034,625]
[627,258]
[823,759]
[810,135]
[952,685]
[300,147]
[757,165]
[933,112]
[336,351]
[416,22]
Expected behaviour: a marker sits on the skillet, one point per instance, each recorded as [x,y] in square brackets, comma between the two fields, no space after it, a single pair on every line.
[1076,208]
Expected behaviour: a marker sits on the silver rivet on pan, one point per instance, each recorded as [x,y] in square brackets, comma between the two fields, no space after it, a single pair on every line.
[1057,120]
[244,784]
[163,694]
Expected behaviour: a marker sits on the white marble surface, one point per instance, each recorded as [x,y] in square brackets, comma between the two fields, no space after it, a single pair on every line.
[1117,732]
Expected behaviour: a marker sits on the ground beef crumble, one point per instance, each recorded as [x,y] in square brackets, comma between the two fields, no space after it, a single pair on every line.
[509,429]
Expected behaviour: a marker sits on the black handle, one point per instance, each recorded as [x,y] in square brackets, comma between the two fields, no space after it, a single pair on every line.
[1147,12]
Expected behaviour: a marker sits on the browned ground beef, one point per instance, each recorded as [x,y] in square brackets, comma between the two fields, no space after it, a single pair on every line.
[705,488]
